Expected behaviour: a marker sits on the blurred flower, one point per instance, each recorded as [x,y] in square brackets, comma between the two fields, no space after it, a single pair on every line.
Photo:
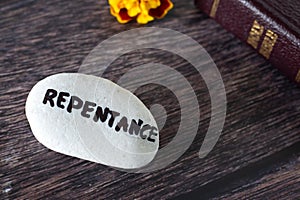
[143,11]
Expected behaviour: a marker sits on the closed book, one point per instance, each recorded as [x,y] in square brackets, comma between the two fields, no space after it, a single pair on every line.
[271,27]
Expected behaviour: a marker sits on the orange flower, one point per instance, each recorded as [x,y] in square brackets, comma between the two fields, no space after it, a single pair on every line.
[143,11]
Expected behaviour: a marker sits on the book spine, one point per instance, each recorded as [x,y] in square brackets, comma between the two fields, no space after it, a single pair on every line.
[254,25]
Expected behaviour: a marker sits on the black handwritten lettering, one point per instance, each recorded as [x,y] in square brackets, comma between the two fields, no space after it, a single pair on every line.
[135,127]
[101,115]
[75,103]
[61,99]
[152,133]
[112,118]
[122,124]
[50,94]
[146,132]
[88,107]
[145,128]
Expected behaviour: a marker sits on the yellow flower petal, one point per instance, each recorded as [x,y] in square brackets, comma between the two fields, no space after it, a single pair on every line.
[116,4]
[144,18]
[162,10]
[133,7]
[121,16]
[143,10]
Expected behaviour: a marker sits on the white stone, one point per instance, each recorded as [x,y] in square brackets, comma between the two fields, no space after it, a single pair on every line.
[70,129]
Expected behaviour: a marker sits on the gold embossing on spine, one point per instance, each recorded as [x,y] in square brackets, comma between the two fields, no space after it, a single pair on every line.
[268,44]
[298,77]
[255,34]
[214,8]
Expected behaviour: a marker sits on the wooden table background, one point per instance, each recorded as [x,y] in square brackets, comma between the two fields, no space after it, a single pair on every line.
[257,155]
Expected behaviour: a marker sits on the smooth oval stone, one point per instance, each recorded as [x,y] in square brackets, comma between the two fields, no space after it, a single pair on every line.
[93,119]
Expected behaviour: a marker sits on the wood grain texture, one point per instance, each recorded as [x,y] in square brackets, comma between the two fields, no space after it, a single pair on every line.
[40,38]
[283,183]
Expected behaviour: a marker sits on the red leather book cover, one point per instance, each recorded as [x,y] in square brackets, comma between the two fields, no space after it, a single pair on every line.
[272,27]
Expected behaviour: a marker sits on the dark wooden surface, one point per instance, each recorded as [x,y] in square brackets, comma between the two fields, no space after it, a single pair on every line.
[257,155]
